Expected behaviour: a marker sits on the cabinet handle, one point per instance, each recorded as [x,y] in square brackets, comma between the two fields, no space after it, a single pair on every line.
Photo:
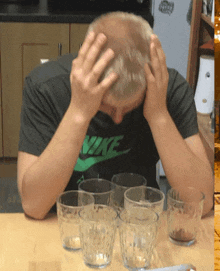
[59,49]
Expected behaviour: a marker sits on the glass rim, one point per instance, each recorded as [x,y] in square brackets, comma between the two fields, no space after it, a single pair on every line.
[101,205]
[145,187]
[128,174]
[97,179]
[145,208]
[74,191]
[202,195]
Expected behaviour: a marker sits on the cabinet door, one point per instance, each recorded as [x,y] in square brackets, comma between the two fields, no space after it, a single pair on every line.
[1,142]
[23,45]
[77,36]
[1,152]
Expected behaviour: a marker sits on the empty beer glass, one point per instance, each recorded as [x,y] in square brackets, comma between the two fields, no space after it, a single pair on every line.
[68,206]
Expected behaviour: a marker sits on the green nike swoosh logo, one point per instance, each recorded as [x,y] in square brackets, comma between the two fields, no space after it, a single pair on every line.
[83,165]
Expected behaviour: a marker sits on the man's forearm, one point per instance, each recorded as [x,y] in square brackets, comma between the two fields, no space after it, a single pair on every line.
[50,174]
[182,167]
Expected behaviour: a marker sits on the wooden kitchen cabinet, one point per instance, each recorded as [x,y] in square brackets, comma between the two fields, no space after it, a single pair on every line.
[23,45]
[202,31]
[77,36]
[1,142]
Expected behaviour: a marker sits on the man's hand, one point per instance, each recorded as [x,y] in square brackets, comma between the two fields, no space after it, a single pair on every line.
[87,91]
[157,82]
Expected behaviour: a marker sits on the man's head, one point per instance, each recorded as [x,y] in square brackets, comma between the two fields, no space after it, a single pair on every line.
[128,35]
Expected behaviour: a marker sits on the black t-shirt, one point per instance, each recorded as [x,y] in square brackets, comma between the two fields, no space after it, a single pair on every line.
[108,148]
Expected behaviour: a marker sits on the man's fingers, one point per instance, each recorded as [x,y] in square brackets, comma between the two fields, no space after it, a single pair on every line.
[160,53]
[149,75]
[155,62]
[107,82]
[87,54]
[85,46]
[102,63]
[94,52]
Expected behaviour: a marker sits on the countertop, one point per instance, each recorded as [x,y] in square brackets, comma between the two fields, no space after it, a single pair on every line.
[43,12]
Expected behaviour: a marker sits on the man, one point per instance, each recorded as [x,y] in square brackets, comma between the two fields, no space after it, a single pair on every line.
[114,108]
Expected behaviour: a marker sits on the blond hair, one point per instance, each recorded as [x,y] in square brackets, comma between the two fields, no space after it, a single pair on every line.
[129,37]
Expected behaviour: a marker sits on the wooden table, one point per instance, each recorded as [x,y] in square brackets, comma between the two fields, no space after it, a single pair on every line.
[34,245]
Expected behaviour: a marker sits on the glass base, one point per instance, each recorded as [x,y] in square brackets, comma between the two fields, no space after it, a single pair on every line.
[137,268]
[135,265]
[182,243]
[71,243]
[97,266]
[97,261]
[71,248]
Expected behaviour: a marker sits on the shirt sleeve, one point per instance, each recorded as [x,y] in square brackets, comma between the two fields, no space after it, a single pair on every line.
[181,104]
[37,121]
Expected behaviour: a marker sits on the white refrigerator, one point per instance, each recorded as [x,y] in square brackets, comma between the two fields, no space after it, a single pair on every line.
[173,29]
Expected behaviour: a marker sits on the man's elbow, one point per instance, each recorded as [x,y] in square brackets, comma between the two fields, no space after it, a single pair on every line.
[33,212]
